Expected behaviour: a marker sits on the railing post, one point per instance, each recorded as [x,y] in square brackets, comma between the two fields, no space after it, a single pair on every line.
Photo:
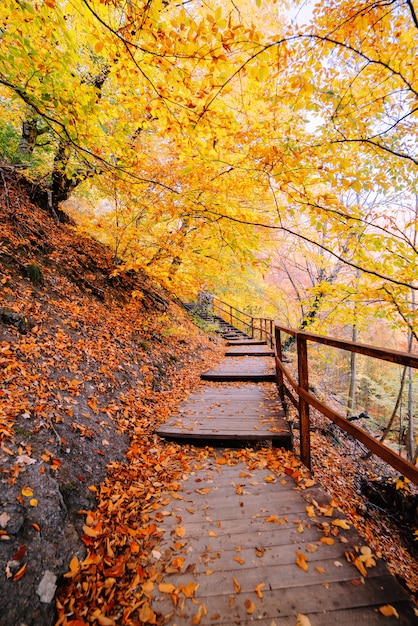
[252,327]
[305,441]
[230,314]
[271,334]
[278,357]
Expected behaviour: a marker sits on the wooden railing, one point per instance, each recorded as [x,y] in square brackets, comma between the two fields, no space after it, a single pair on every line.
[298,392]
[303,398]
[256,327]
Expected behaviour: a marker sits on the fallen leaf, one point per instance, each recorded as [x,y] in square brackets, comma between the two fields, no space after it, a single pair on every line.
[239,560]
[258,590]
[147,615]
[329,541]
[237,586]
[302,620]
[20,573]
[310,511]
[301,561]
[320,570]
[341,523]
[166,587]
[180,532]
[197,618]
[388,611]
[212,533]
[311,547]
[189,589]
[27,491]
[250,606]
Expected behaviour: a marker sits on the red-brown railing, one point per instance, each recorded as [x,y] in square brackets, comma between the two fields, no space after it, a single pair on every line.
[271,332]
[305,399]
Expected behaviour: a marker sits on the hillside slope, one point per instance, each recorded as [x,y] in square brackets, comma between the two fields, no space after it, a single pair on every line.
[85,370]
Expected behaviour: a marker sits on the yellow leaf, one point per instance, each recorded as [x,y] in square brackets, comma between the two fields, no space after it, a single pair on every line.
[342,523]
[27,491]
[302,620]
[180,532]
[270,479]
[388,611]
[166,587]
[33,502]
[329,541]
[310,511]
[212,533]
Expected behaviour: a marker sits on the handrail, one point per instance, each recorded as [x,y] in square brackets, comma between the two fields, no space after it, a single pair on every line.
[256,326]
[271,331]
[306,399]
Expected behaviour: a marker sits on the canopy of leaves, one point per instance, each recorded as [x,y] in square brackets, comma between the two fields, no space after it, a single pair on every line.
[198,136]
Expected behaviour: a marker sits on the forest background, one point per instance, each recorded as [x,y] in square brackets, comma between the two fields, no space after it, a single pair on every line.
[231,147]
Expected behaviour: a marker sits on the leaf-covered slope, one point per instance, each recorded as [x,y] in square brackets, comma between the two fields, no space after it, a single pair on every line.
[84,365]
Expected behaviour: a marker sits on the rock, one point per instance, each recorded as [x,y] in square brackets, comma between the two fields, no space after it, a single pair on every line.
[47,587]
[10,317]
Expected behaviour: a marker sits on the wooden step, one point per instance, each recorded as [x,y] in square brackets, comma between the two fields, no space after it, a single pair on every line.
[229,415]
[249,351]
[242,368]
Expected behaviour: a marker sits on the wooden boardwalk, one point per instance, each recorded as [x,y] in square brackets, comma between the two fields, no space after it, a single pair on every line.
[234,537]
[245,544]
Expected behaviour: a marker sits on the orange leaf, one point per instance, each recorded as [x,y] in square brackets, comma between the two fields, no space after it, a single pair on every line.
[147,615]
[197,618]
[180,532]
[250,607]
[301,561]
[388,611]
[20,573]
[258,590]
[166,587]
[239,560]
[329,541]
[189,589]
[237,586]
[27,491]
